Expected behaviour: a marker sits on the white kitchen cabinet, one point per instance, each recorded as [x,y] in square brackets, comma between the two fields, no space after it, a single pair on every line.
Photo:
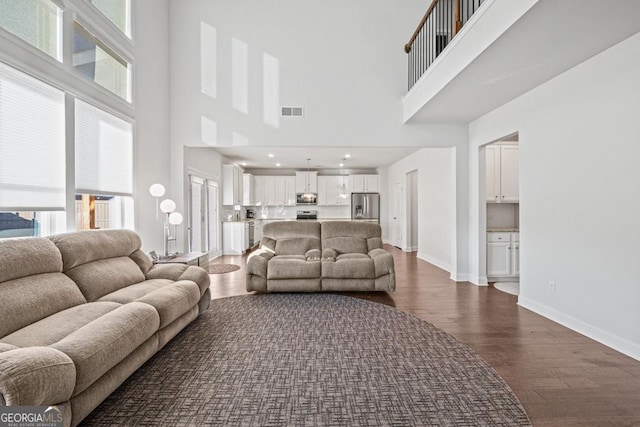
[259,190]
[231,185]
[364,183]
[329,190]
[306,182]
[277,190]
[503,254]
[248,190]
[234,238]
[502,174]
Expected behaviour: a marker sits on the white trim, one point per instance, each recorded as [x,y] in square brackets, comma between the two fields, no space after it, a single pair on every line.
[477,280]
[459,277]
[615,342]
[438,263]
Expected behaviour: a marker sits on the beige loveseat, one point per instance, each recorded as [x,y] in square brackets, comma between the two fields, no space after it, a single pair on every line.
[309,256]
[80,312]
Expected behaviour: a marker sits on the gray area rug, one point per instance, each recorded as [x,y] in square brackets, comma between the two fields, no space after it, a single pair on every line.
[311,360]
[222,268]
[512,288]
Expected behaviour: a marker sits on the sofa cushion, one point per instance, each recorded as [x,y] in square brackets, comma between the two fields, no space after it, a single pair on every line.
[351,236]
[173,301]
[292,267]
[86,246]
[291,237]
[29,299]
[351,266]
[53,328]
[100,345]
[28,257]
[135,291]
[99,278]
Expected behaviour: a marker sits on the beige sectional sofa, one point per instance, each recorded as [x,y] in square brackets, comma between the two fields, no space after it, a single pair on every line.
[310,256]
[80,312]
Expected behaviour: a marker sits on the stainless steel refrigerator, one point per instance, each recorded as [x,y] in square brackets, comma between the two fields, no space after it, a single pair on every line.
[365,207]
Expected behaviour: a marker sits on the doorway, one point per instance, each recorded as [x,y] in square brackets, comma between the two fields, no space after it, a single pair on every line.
[203,226]
[397,215]
[412,211]
[499,200]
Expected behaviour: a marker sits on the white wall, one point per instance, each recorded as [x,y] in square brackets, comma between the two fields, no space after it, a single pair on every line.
[436,168]
[151,99]
[343,61]
[579,198]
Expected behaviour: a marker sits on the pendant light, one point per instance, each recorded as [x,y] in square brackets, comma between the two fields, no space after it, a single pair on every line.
[342,192]
[307,196]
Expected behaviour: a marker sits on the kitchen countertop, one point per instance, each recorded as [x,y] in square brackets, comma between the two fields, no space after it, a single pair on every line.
[503,230]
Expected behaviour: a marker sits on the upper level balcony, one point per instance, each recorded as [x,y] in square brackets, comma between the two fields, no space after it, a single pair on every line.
[468,57]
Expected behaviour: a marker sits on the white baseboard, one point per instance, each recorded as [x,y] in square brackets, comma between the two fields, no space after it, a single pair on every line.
[431,260]
[478,281]
[615,342]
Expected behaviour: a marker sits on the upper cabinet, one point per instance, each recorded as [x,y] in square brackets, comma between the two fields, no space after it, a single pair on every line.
[231,185]
[306,182]
[275,190]
[364,183]
[248,190]
[502,174]
[329,190]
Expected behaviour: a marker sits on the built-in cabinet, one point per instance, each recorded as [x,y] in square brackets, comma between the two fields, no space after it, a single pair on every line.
[232,185]
[257,231]
[502,174]
[248,190]
[235,237]
[274,190]
[503,254]
[364,183]
[306,182]
[329,189]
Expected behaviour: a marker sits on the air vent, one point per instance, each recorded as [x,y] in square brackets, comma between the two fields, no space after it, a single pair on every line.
[292,111]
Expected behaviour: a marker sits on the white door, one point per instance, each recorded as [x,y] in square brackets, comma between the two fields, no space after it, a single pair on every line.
[397,215]
[213,219]
[196,209]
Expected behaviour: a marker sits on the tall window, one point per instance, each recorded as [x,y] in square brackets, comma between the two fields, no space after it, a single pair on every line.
[117,11]
[104,169]
[32,155]
[38,22]
[97,62]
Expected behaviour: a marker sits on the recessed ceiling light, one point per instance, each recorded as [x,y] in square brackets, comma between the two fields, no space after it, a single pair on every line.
[271,156]
[278,164]
[341,164]
[244,163]
[347,156]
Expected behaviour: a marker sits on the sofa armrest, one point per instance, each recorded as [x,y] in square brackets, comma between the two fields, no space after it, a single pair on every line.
[313,255]
[383,261]
[329,254]
[377,252]
[178,272]
[36,376]
[257,262]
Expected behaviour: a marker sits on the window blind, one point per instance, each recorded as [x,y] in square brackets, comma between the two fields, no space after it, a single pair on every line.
[32,143]
[104,152]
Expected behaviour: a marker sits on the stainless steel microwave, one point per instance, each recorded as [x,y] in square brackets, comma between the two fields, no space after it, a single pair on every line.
[305,199]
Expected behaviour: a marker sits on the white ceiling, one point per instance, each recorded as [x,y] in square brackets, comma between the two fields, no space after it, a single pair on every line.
[552,37]
[321,157]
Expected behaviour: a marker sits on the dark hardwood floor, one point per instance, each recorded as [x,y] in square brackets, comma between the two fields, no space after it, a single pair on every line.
[561,377]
